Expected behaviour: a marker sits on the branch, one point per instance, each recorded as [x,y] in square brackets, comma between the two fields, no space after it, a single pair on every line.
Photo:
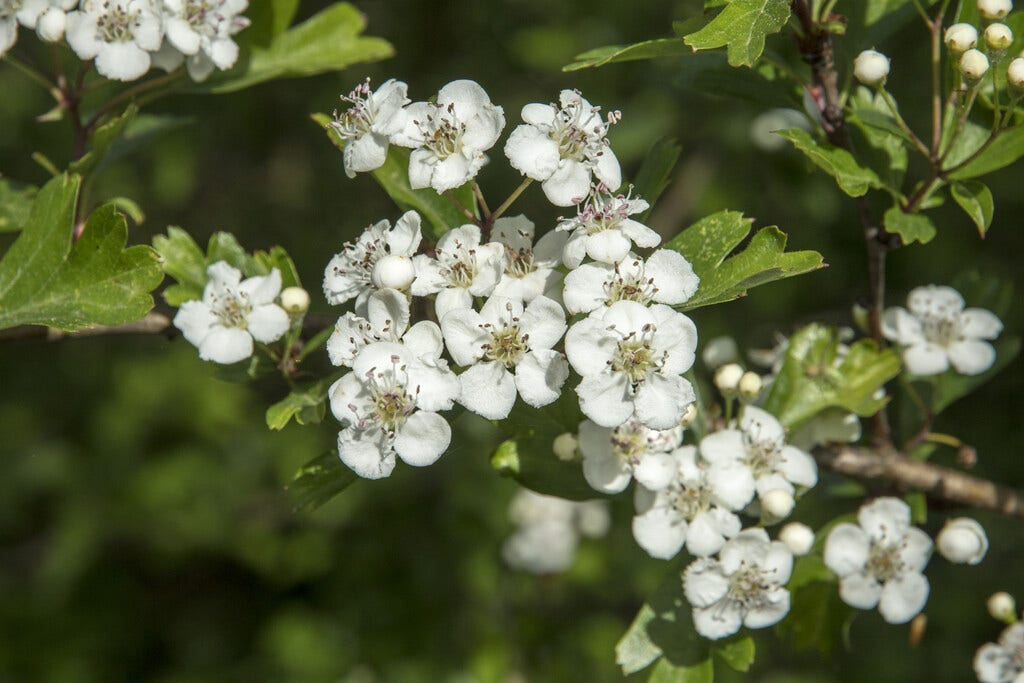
[936,482]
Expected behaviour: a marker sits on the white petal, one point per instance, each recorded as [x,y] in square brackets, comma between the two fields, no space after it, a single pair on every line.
[718,621]
[673,276]
[464,335]
[641,235]
[655,470]
[122,61]
[676,338]
[435,386]
[991,664]
[421,168]
[404,238]
[769,612]
[268,323]
[916,549]
[934,300]
[544,322]
[424,340]
[925,359]
[568,185]
[262,289]
[732,484]
[971,357]
[846,549]
[798,467]
[575,249]
[181,35]
[901,327]
[451,299]
[364,153]
[860,590]
[452,172]
[979,323]
[607,246]
[885,518]
[388,309]
[589,347]
[532,152]
[903,598]
[367,452]
[605,399]
[703,537]
[723,446]
[661,401]
[607,169]
[226,345]
[489,390]
[422,439]
[704,583]
[195,319]
[584,287]
[224,53]
[778,562]
[660,532]
[540,376]
[604,470]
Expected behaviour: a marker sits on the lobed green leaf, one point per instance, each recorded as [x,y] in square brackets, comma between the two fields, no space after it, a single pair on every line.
[742,27]
[305,406]
[852,178]
[911,227]
[648,49]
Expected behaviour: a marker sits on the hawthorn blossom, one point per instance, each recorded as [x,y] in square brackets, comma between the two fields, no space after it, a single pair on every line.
[1002,662]
[743,587]
[200,33]
[631,358]
[449,137]
[118,34]
[962,541]
[367,126]
[697,507]
[548,530]
[389,404]
[603,229]
[508,350]
[461,269]
[232,313]
[612,457]
[665,277]
[387,319]
[936,331]
[529,269]
[563,146]
[879,560]
[759,444]
[380,257]
[30,13]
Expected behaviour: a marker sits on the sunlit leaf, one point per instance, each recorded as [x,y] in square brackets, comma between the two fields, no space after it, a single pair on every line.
[976,201]
[305,406]
[15,204]
[1007,148]
[911,227]
[649,49]
[742,27]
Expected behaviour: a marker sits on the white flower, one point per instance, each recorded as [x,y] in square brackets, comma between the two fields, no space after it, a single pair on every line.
[759,444]
[508,349]
[612,457]
[367,126]
[665,277]
[529,269]
[998,37]
[631,358]
[118,34]
[871,67]
[963,541]
[562,146]
[461,269]
[695,509]
[232,313]
[549,529]
[449,137]
[390,401]
[8,24]
[743,587]
[1015,73]
[201,32]
[52,22]
[937,331]
[960,37]
[350,273]
[994,10]
[387,319]
[1002,662]
[879,562]
[603,229]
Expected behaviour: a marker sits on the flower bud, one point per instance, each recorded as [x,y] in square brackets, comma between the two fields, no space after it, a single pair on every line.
[777,504]
[962,541]
[565,446]
[719,351]
[750,386]
[294,300]
[50,26]
[871,67]
[1015,74]
[1002,606]
[394,271]
[960,38]
[799,538]
[689,416]
[994,10]
[998,37]
[727,379]
[973,65]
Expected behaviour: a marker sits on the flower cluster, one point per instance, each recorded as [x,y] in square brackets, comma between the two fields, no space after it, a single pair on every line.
[127,37]
[548,531]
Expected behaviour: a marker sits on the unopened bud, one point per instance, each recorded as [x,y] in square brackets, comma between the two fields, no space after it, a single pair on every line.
[994,10]
[799,538]
[973,65]
[720,350]
[1002,606]
[689,416]
[565,446]
[750,386]
[394,271]
[294,300]
[50,26]
[871,67]
[1015,74]
[777,504]
[960,38]
[962,541]
[727,379]
[998,37]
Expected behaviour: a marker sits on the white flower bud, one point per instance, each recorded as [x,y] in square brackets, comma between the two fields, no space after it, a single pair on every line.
[394,271]
[50,26]
[777,504]
[973,65]
[962,541]
[690,416]
[294,300]
[960,38]
[871,67]
[994,10]
[1002,606]
[727,379]
[720,350]
[1015,73]
[998,37]
[565,446]
[750,386]
[799,538]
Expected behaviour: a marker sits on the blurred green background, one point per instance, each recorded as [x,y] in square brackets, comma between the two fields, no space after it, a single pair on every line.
[145,529]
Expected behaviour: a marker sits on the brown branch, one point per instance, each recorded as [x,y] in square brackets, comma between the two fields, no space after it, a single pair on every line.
[935,481]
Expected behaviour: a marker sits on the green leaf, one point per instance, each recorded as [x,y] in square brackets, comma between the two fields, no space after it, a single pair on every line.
[265,261]
[817,618]
[306,406]
[742,27]
[814,376]
[1007,148]
[104,138]
[811,568]
[665,672]
[15,204]
[911,227]
[648,49]
[951,385]
[707,72]
[656,171]
[319,480]
[852,178]
[47,280]
[268,19]
[871,115]
[183,260]
[985,291]
[707,243]
[224,246]
[328,41]
[976,200]
[737,653]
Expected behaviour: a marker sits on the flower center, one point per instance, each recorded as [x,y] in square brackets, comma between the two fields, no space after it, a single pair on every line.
[884,561]
[9,8]
[634,356]
[630,287]
[519,263]
[197,12]
[762,453]
[941,329]
[442,134]
[117,24]
[461,268]
[359,259]
[748,586]
[690,501]
[232,308]
[391,403]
